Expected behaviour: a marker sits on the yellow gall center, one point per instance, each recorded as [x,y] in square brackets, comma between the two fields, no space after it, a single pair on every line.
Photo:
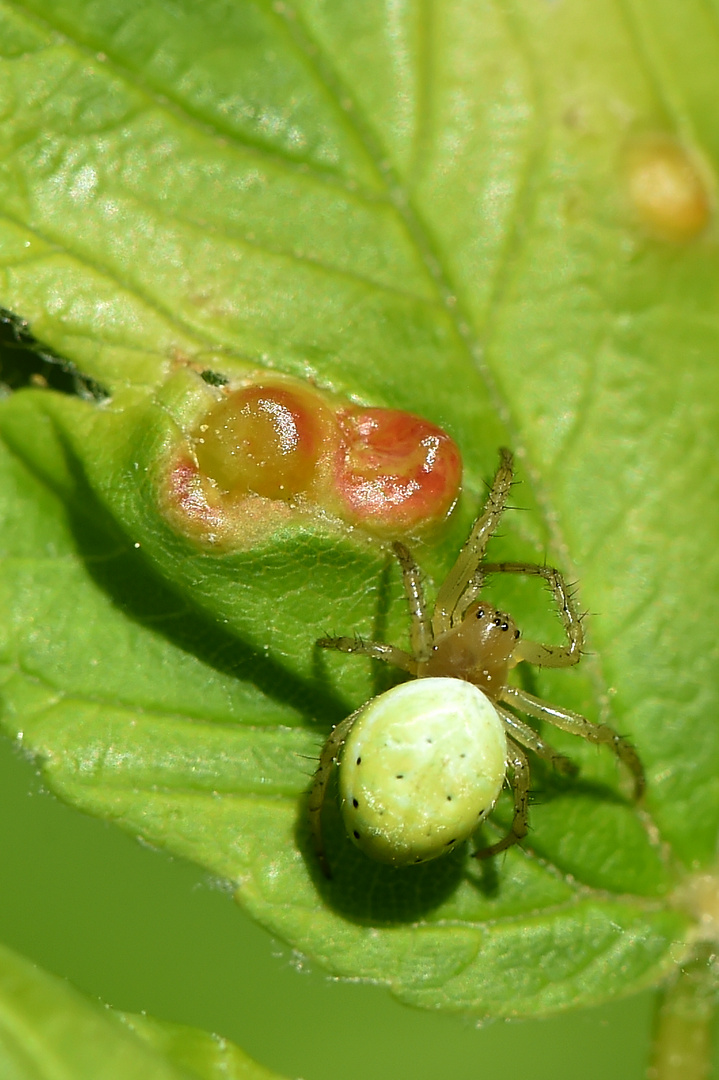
[262,440]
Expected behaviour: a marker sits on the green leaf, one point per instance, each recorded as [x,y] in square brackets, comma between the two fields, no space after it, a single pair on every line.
[49,1031]
[424,207]
[195,1052]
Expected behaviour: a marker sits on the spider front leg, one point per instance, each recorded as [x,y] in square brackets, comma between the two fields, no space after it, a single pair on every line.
[517,761]
[376,650]
[328,757]
[421,630]
[579,725]
[532,651]
[462,574]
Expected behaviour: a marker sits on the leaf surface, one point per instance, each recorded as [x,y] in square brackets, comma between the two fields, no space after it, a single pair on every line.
[421,206]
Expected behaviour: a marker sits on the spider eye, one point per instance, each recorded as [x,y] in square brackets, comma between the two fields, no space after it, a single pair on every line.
[516,633]
[505,626]
[480,613]
[497,621]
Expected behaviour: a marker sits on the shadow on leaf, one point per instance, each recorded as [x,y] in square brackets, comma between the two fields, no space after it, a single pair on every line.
[137,590]
[368,892]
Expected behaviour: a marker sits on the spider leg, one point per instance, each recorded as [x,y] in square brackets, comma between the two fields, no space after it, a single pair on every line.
[463,572]
[421,630]
[533,651]
[328,756]
[517,760]
[376,650]
[527,736]
[579,725]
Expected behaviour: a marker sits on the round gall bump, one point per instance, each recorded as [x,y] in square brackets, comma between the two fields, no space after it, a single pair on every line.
[395,471]
[433,760]
[263,440]
[668,189]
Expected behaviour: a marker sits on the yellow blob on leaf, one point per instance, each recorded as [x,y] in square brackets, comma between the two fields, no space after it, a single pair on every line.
[667,189]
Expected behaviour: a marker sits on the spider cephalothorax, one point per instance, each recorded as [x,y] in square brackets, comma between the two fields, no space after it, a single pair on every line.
[420,768]
[479,649]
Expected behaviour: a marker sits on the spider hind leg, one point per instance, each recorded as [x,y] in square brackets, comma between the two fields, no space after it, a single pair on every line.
[517,761]
[565,720]
[328,757]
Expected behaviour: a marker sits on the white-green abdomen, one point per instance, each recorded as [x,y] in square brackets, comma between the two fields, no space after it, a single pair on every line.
[422,765]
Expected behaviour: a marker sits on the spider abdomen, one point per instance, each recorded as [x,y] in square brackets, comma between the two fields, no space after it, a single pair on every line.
[422,766]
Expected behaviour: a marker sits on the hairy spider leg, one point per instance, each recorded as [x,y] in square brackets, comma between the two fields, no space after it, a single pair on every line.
[376,650]
[517,761]
[579,725]
[527,736]
[532,651]
[461,576]
[421,629]
[328,757]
